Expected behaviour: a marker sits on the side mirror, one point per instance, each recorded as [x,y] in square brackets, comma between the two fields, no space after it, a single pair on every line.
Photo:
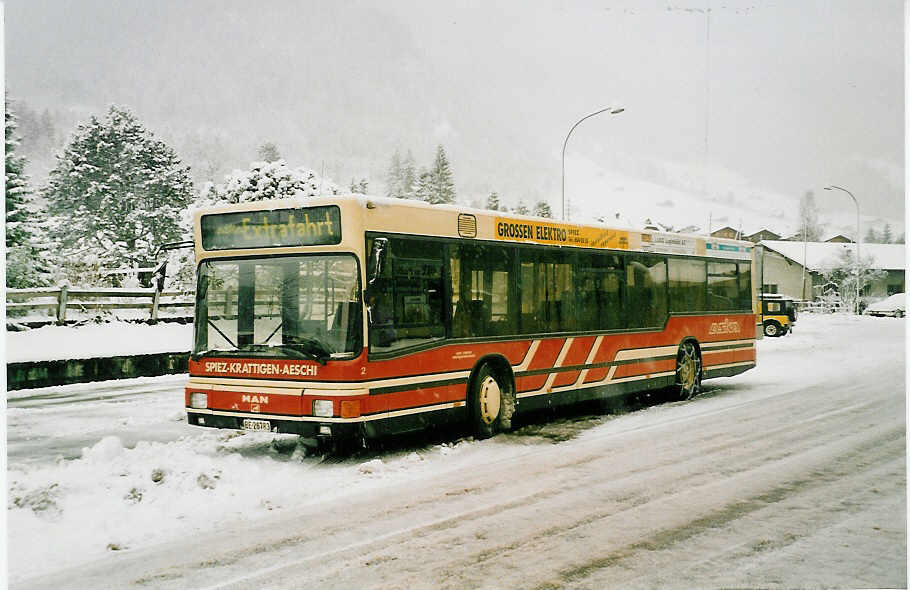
[376,264]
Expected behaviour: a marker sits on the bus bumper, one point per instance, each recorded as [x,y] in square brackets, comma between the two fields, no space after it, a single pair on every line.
[305,429]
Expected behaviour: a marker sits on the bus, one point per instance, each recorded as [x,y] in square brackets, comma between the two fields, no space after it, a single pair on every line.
[358,317]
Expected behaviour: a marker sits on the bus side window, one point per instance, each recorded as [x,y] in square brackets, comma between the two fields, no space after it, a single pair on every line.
[745,286]
[482,300]
[687,284]
[723,292]
[406,305]
[646,280]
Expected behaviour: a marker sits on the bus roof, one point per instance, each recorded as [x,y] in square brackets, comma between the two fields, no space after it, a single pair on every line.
[383,214]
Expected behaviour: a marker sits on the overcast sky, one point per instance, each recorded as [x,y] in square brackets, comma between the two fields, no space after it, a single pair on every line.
[722,97]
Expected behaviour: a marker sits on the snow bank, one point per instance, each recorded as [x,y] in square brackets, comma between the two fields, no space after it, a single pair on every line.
[96,341]
[114,498]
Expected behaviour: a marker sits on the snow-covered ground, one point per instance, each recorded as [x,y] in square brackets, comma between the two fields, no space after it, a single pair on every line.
[790,475]
[96,341]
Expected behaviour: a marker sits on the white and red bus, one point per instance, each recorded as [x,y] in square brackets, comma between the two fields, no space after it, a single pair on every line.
[340,316]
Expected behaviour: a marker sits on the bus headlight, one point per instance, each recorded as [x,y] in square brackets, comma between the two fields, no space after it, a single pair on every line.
[199,400]
[322,408]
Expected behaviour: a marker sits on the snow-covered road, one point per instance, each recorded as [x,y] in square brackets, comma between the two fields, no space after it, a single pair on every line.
[791,475]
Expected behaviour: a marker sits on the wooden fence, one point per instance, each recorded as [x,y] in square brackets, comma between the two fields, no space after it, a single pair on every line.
[58,301]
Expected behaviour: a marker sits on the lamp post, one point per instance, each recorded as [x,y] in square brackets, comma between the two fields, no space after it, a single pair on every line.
[613,111]
[855,202]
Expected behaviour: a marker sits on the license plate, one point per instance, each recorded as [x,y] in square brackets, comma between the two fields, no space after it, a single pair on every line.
[261,425]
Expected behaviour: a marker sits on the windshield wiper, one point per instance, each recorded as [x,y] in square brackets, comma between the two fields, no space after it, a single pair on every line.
[312,347]
[302,348]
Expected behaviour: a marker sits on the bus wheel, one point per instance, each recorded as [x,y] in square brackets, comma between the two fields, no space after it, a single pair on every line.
[688,371]
[772,329]
[486,403]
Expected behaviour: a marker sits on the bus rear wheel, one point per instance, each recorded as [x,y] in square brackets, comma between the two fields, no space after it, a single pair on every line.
[486,398]
[688,371]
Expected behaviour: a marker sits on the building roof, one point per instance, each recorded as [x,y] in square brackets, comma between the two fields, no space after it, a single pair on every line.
[821,255]
[762,231]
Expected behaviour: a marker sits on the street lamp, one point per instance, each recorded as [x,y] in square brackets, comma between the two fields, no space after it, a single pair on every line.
[613,111]
[833,187]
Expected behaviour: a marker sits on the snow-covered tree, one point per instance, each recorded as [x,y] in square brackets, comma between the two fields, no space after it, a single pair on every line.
[264,181]
[424,191]
[442,189]
[408,177]
[542,209]
[26,264]
[493,202]
[268,152]
[808,219]
[521,208]
[116,193]
[18,192]
[887,236]
[842,271]
[360,187]
[394,188]
[871,236]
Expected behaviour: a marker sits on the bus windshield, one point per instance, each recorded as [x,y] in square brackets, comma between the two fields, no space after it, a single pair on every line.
[303,307]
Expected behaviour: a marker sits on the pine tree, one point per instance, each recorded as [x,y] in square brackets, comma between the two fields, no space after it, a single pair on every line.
[887,236]
[408,178]
[542,209]
[17,186]
[268,152]
[394,178]
[493,202]
[26,263]
[425,187]
[443,188]
[871,236]
[116,193]
[521,208]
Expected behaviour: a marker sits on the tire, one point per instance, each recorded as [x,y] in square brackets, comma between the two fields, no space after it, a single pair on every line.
[488,401]
[688,371]
[772,329]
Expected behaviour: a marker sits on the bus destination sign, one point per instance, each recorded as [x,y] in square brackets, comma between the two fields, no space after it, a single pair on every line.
[560,234]
[310,226]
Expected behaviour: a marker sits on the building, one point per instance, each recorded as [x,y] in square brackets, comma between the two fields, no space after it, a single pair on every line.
[726,232]
[763,234]
[796,268]
[840,239]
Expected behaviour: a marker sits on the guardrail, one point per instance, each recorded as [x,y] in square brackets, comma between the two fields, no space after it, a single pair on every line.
[60,300]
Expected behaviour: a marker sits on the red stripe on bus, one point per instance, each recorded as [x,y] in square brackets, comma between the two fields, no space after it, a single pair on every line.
[596,375]
[426,397]
[577,355]
[645,368]
[546,354]
[532,383]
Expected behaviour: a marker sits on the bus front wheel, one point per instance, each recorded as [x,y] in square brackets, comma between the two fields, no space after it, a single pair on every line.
[487,402]
[688,370]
